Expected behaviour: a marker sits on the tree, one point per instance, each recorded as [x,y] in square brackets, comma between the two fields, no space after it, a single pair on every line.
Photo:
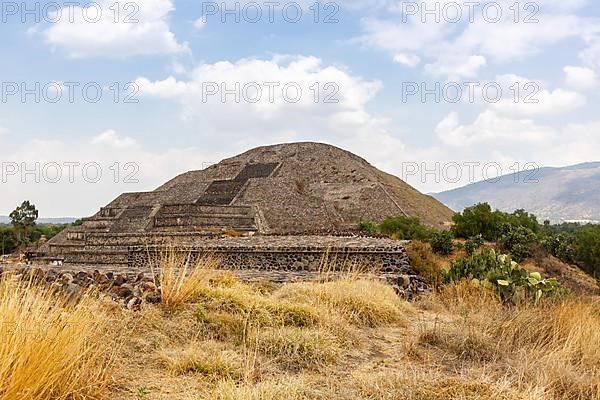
[23,219]
[477,220]
[588,248]
[7,240]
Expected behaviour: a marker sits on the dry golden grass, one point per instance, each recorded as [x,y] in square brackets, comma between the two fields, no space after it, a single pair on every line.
[429,385]
[210,358]
[297,348]
[366,303]
[51,348]
[283,389]
[263,310]
[222,339]
[556,345]
[181,274]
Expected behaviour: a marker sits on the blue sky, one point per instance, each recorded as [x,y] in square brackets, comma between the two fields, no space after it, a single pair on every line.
[366,59]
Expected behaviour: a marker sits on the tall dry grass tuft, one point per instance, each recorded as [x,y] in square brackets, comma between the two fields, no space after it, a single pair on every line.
[465,295]
[51,348]
[283,389]
[297,348]
[557,345]
[362,302]
[182,274]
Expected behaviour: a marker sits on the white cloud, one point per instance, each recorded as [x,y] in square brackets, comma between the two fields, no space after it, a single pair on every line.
[177,68]
[460,49]
[111,139]
[576,143]
[199,24]
[150,35]
[591,55]
[490,128]
[456,67]
[409,60]
[266,96]
[581,78]
[544,102]
[525,39]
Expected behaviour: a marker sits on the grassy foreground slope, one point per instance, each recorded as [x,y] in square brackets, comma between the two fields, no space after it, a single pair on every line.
[217,338]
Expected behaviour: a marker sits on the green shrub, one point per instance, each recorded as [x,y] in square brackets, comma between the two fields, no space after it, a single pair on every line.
[472,244]
[516,241]
[407,228]
[560,245]
[366,225]
[441,243]
[477,220]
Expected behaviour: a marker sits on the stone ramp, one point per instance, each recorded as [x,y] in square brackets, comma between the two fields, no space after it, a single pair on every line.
[223,192]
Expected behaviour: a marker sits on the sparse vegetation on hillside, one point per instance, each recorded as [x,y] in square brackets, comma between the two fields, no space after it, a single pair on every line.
[516,233]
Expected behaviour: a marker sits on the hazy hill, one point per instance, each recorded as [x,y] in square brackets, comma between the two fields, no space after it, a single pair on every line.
[61,220]
[558,194]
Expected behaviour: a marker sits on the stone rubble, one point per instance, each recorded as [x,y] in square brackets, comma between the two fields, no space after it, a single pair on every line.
[131,290]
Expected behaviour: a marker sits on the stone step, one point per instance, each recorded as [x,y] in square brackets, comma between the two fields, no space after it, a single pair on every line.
[62,248]
[198,209]
[134,239]
[207,221]
[98,224]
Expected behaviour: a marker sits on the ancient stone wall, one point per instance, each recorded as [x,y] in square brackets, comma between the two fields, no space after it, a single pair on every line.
[290,254]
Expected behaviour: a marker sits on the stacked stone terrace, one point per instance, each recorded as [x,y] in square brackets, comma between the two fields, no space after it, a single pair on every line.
[284,204]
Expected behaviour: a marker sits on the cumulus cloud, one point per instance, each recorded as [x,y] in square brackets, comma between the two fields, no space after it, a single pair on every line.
[252,102]
[137,29]
[457,67]
[199,24]
[463,48]
[110,138]
[490,128]
[581,78]
[543,102]
[409,60]
[262,98]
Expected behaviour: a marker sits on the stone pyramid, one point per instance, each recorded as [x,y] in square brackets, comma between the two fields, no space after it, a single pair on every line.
[296,189]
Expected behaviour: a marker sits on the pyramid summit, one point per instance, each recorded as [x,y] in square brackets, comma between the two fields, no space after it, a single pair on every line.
[298,189]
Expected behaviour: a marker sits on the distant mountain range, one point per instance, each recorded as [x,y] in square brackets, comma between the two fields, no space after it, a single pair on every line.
[558,194]
[61,220]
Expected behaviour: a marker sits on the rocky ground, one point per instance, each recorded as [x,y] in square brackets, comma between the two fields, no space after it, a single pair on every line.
[130,290]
